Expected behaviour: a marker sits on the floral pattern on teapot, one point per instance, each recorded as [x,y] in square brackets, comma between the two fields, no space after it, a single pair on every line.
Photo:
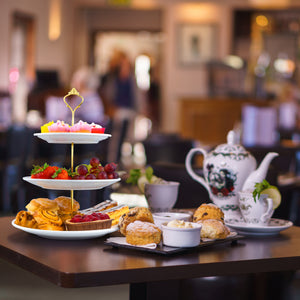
[221,181]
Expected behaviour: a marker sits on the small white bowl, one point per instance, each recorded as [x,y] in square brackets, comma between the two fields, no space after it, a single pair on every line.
[181,237]
[162,217]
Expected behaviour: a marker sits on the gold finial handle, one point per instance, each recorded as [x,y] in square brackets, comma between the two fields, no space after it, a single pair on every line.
[73,92]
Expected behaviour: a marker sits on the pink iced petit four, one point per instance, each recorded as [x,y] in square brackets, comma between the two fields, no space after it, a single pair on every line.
[81,127]
[59,126]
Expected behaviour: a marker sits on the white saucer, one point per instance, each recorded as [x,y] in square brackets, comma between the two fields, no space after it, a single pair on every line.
[72,137]
[67,235]
[274,227]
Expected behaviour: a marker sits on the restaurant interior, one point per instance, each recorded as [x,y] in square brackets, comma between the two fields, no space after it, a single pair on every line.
[199,69]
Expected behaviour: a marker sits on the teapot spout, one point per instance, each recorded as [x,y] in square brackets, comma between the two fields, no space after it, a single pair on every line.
[260,173]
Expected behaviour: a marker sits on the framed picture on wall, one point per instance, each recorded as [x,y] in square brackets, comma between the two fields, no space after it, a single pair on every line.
[196,43]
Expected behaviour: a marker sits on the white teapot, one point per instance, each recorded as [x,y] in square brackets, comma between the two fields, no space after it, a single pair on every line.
[227,170]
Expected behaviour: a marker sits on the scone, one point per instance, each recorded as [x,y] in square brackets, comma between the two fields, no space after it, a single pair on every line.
[42,204]
[48,220]
[213,229]
[208,211]
[134,214]
[65,207]
[142,233]
[25,219]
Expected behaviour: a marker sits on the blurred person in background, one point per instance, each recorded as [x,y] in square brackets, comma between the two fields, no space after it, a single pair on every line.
[121,95]
[86,82]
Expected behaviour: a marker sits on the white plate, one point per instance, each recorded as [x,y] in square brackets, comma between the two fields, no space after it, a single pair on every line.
[274,227]
[67,235]
[72,137]
[71,184]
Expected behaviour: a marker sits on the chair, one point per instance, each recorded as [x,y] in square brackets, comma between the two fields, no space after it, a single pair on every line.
[17,150]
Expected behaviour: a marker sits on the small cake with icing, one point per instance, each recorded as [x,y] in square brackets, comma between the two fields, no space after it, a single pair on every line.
[59,126]
[81,126]
[135,214]
[208,211]
[142,233]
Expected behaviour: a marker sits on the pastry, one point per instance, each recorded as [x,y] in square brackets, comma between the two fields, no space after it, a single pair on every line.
[142,233]
[208,211]
[134,214]
[213,229]
[48,220]
[107,204]
[116,212]
[41,204]
[66,211]
[25,219]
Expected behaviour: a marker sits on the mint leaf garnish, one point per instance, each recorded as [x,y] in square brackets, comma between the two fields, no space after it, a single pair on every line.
[259,187]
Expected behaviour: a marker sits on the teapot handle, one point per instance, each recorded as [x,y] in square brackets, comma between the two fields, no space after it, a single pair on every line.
[189,168]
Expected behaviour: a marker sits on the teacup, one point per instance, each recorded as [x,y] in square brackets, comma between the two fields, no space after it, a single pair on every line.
[257,212]
[161,197]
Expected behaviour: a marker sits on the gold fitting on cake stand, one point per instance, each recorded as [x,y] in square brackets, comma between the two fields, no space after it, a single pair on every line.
[73,92]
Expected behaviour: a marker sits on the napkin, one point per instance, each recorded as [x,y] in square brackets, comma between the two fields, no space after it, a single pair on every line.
[122,241]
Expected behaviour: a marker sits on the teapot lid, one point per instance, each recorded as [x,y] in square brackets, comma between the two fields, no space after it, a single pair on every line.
[231,148]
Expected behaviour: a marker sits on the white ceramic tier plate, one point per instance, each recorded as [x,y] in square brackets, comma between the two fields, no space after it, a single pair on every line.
[72,137]
[274,227]
[67,235]
[71,184]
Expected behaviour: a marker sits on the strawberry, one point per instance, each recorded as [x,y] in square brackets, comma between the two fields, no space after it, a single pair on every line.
[38,171]
[60,173]
[48,173]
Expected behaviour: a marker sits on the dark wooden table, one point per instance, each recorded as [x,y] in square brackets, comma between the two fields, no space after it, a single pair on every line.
[88,263]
